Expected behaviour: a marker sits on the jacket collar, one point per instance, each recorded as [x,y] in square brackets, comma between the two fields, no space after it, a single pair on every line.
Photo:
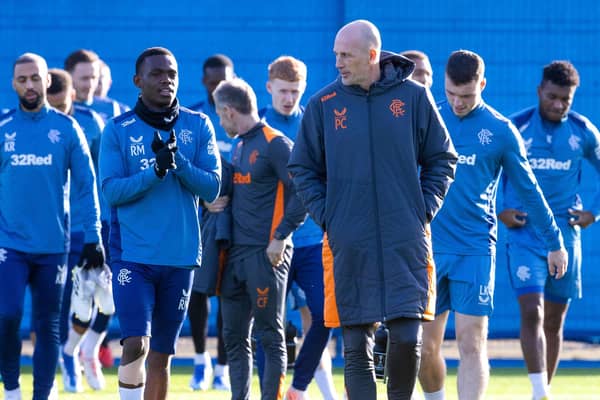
[33,116]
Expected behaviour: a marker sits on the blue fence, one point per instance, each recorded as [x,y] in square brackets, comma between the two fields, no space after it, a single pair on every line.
[515,38]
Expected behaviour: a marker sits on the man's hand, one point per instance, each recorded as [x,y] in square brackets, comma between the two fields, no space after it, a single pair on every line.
[218,205]
[581,217]
[557,263]
[165,154]
[92,256]
[275,252]
[157,142]
[171,143]
[513,218]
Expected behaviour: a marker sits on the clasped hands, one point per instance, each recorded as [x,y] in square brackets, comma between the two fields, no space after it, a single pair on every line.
[164,153]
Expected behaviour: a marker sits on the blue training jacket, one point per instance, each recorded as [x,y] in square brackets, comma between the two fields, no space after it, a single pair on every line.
[556,152]
[225,143]
[106,107]
[309,233]
[37,149]
[153,220]
[487,143]
[92,125]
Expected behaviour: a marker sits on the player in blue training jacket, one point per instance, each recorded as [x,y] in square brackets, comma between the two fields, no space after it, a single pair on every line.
[84,66]
[38,148]
[464,231]
[154,188]
[286,84]
[215,69]
[115,107]
[423,73]
[557,141]
[60,96]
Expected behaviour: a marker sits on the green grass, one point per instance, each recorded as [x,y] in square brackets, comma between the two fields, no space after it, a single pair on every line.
[505,384]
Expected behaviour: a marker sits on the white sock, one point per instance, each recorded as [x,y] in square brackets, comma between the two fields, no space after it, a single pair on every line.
[439,395]
[73,340]
[415,395]
[221,370]
[15,393]
[199,359]
[203,359]
[131,394]
[323,377]
[539,383]
[91,343]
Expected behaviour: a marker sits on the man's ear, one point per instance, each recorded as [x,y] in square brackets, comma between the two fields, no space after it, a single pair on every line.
[269,88]
[137,81]
[372,56]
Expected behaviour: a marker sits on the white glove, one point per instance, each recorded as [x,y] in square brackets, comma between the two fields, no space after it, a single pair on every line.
[82,294]
[103,295]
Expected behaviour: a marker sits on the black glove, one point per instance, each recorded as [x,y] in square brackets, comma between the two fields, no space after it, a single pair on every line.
[172,142]
[157,142]
[92,256]
[165,155]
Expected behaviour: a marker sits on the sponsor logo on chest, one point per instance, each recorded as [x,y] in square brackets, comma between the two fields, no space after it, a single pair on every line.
[467,159]
[242,179]
[24,160]
[549,164]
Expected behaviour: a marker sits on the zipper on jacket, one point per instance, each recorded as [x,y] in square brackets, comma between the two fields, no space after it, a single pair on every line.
[376,208]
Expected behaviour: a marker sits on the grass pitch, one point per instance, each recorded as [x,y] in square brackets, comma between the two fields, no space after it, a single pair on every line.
[505,384]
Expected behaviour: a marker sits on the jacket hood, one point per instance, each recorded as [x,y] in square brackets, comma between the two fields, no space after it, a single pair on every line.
[394,68]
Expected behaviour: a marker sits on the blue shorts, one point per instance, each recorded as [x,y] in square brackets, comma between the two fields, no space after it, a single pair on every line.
[528,271]
[465,284]
[151,300]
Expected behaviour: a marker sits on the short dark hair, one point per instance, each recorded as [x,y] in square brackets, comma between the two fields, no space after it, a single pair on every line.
[80,56]
[414,55]
[561,73]
[217,61]
[464,66]
[149,52]
[60,80]
[238,94]
[30,58]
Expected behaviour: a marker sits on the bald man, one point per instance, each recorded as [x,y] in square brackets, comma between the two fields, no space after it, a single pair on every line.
[40,146]
[376,212]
